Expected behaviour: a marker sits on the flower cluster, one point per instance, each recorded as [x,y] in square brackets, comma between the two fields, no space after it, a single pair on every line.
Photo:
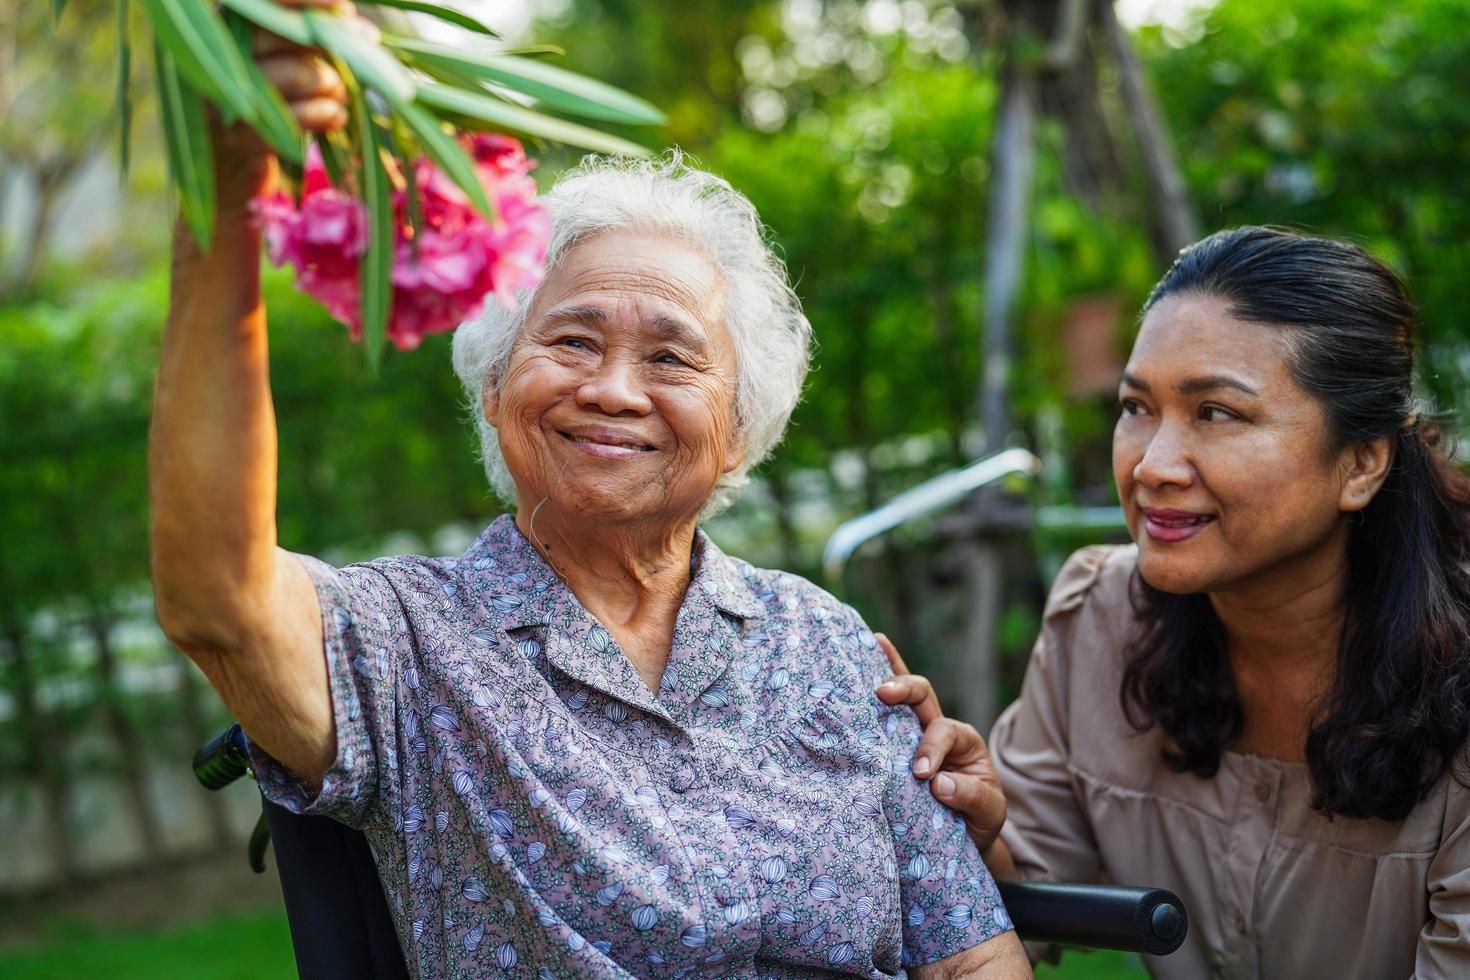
[444,270]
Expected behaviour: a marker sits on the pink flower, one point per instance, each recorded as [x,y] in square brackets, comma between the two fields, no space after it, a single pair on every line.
[441,201]
[442,278]
[518,247]
[440,287]
[499,156]
[314,177]
[276,215]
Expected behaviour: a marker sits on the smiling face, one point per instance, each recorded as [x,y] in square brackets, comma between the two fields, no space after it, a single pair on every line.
[1225,466]
[618,401]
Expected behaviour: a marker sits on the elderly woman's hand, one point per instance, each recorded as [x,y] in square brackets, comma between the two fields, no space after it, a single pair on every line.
[311,86]
[313,90]
[967,782]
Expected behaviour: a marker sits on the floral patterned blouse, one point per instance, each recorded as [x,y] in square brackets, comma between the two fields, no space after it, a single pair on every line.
[536,811]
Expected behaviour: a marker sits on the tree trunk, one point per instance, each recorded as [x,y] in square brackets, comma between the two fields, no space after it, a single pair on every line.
[1173,217]
[36,247]
[977,672]
[196,729]
[785,525]
[125,739]
[43,755]
[1014,162]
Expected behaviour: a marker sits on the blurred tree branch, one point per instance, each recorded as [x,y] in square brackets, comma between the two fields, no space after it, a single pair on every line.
[54,118]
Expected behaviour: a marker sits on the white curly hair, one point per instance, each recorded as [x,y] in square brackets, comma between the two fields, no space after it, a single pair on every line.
[771,334]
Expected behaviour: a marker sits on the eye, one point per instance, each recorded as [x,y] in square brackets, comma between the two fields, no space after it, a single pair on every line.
[1129,406]
[1214,413]
[576,343]
[669,358]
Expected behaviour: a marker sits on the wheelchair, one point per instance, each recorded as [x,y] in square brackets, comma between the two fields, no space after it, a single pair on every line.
[340,926]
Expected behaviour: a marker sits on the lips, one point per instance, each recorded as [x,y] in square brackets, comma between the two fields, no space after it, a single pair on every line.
[1170,525]
[606,442]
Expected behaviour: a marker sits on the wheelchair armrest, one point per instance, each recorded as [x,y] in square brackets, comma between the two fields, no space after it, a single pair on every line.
[223,759]
[1139,920]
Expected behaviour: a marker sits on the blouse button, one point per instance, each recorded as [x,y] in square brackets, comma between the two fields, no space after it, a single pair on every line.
[1263,792]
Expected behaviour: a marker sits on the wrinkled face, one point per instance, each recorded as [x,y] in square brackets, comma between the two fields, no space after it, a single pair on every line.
[1224,464]
[619,398]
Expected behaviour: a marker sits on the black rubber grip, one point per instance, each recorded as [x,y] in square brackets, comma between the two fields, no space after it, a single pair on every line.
[223,759]
[1139,920]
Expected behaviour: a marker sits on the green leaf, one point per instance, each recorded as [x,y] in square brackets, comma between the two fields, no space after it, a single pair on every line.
[190,156]
[201,45]
[166,35]
[375,281]
[272,17]
[242,31]
[530,49]
[334,157]
[273,120]
[435,10]
[413,204]
[58,7]
[503,115]
[448,154]
[367,59]
[555,87]
[123,104]
[454,77]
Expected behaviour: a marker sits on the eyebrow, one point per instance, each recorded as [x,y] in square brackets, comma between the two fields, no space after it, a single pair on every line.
[666,327]
[1195,385]
[670,329]
[578,314]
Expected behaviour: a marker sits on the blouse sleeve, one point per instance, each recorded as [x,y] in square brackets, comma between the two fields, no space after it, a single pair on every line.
[1444,942]
[1046,829]
[366,641]
[948,899]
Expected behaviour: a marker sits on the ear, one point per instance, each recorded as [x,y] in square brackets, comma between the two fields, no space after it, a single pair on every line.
[490,404]
[1365,466]
[735,452]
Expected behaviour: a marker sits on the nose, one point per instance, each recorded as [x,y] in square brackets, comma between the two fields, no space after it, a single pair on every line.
[1165,461]
[614,388]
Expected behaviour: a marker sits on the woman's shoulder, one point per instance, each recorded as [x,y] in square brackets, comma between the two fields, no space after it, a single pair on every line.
[407,576]
[781,591]
[811,622]
[1090,614]
[1099,577]
[401,594]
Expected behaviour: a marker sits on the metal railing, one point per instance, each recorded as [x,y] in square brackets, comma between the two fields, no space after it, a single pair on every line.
[931,495]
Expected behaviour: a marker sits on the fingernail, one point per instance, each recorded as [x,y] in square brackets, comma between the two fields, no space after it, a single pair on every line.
[944,785]
[888,686]
[922,767]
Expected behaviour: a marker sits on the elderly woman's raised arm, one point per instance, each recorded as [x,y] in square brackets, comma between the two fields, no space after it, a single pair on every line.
[227,596]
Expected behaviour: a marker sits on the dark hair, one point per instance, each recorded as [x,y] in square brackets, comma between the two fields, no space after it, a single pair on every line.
[1398,712]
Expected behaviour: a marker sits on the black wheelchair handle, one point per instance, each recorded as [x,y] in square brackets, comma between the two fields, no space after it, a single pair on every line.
[223,759]
[1137,920]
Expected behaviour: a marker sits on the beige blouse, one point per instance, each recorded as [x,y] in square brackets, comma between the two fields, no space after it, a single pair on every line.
[1274,889]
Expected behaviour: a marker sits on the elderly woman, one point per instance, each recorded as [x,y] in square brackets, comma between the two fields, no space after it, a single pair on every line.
[592,745]
[1264,703]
